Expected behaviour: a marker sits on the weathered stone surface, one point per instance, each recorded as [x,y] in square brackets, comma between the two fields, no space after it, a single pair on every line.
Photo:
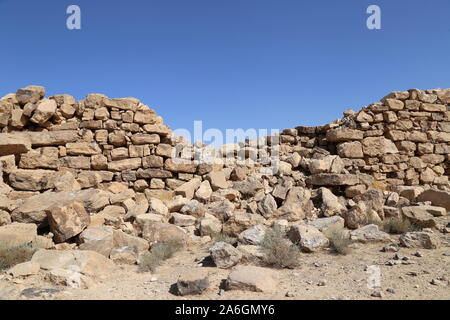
[253,235]
[423,240]
[377,146]
[324,224]
[267,206]
[295,206]
[210,225]
[82,149]
[344,134]
[44,111]
[217,180]
[163,232]
[204,191]
[421,216]
[43,158]
[182,220]
[14,144]
[332,179]
[24,269]
[224,255]
[188,189]
[67,221]
[84,262]
[98,239]
[248,187]
[32,180]
[330,204]
[18,234]
[193,208]
[33,209]
[240,222]
[369,233]
[180,165]
[350,150]
[308,238]
[193,282]
[356,217]
[250,278]
[124,255]
[126,164]
[438,198]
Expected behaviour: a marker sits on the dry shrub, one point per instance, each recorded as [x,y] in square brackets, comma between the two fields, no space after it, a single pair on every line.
[397,225]
[279,252]
[339,240]
[222,237]
[11,254]
[158,253]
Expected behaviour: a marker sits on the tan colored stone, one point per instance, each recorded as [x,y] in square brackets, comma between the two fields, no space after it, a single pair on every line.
[44,111]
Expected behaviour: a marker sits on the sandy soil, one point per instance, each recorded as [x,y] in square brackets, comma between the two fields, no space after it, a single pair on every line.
[323,275]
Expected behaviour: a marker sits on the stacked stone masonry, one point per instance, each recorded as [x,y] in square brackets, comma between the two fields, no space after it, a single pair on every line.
[48,142]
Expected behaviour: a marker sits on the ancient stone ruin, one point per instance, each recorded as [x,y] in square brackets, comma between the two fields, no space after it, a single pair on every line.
[99,181]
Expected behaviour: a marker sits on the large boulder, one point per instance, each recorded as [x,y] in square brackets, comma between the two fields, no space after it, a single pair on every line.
[67,221]
[437,198]
[421,216]
[33,180]
[35,208]
[85,262]
[357,216]
[330,204]
[267,206]
[45,109]
[295,206]
[423,240]
[98,239]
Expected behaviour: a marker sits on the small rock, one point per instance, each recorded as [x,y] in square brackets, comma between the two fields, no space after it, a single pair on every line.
[390,290]
[193,282]
[377,294]
[225,255]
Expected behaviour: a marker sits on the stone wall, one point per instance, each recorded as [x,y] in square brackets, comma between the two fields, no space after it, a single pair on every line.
[58,143]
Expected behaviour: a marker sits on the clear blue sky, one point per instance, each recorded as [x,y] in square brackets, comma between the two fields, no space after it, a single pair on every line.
[231,63]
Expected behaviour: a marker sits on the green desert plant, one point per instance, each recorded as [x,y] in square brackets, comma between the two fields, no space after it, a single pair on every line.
[279,252]
[158,253]
[12,254]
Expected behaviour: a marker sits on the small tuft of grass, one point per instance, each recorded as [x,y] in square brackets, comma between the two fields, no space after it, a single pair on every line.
[397,225]
[339,240]
[222,237]
[11,254]
[158,253]
[279,251]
